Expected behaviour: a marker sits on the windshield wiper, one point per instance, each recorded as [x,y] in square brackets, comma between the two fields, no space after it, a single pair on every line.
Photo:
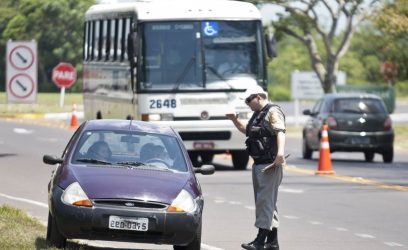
[90,160]
[215,72]
[131,163]
[184,73]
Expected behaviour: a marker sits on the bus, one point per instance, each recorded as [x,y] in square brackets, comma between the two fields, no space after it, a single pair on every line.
[181,63]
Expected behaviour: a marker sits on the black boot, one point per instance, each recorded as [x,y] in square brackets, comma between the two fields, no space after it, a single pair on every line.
[272,240]
[258,243]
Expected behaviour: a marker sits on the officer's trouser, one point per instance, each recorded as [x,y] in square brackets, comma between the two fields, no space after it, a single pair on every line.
[266,186]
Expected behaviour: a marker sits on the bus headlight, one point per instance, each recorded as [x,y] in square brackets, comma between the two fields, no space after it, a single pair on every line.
[157,117]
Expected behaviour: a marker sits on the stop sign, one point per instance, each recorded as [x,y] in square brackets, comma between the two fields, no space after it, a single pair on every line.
[64,75]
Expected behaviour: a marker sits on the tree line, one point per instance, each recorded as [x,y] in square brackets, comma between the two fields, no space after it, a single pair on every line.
[373,33]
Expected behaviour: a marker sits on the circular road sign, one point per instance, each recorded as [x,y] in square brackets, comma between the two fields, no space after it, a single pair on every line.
[21,57]
[64,75]
[21,86]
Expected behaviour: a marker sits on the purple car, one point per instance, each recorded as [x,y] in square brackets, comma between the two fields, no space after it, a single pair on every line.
[123,180]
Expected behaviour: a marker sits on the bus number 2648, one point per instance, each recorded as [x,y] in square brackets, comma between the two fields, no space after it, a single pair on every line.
[166,103]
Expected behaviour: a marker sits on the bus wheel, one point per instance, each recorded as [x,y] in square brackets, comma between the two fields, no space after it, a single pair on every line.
[206,158]
[99,115]
[240,159]
[194,158]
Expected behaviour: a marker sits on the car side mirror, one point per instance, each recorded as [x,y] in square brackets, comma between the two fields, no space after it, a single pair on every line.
[52,160]
[205,170]
[307,112]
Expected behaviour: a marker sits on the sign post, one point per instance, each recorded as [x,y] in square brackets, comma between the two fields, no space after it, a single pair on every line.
[64,76]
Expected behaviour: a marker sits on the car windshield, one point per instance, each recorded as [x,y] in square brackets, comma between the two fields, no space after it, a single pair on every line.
[358,106]
[129,150]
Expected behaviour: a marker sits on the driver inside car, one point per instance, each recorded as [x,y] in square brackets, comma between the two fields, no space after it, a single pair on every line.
[99,151]
[155,154]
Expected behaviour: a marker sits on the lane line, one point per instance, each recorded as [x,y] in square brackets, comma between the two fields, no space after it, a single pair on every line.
[393,244]
[365,236]
[350,179]
[205,246]
[24,200]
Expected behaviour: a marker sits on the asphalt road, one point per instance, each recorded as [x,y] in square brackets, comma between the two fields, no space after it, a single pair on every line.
[361,207]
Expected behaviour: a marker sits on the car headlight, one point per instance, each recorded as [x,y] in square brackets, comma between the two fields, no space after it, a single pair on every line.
[74,195]
[184,202]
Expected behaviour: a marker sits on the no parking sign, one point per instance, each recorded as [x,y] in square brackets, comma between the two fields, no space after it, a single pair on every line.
[21,79]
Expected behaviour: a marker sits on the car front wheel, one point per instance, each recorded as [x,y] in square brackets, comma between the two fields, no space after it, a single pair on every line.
[306,150]
[54,237]
[195,244]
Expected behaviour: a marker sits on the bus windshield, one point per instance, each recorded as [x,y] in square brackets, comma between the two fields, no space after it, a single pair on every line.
[192,55]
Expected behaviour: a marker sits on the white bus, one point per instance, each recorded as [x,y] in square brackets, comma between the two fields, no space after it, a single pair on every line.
[183,63]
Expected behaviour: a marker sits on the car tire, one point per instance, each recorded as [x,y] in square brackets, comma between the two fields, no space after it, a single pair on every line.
[388,155]
[306,150]
[240,159]
[369,156]
[195,244]
[54,237]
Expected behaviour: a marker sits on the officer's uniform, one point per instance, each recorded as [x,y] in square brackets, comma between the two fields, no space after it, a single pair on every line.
[262,131]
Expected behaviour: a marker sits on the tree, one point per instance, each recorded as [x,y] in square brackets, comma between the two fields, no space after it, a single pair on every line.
[56,25]
[392,26]
[311,21]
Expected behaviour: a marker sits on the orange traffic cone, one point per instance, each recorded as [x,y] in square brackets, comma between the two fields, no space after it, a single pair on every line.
[74,119]
[325,165]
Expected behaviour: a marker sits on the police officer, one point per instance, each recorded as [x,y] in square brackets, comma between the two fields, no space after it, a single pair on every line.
[265,143]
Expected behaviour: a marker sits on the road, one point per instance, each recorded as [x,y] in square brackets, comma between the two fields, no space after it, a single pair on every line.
[361,207]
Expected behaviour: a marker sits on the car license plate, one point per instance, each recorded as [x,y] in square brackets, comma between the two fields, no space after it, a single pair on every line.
[203,145]
[360,140]
[128,223]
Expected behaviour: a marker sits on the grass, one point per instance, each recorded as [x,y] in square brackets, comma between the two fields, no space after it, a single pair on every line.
[20,231]
[46,102]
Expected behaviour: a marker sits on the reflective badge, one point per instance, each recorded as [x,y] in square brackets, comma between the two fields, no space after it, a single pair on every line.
[210,28]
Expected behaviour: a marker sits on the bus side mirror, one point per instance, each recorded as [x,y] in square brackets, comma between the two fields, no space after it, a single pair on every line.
[133,48]
[270,46]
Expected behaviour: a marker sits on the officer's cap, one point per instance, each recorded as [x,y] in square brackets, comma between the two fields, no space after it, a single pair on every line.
[253,90]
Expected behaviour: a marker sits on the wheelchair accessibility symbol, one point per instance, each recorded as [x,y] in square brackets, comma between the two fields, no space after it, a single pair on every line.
[210,28]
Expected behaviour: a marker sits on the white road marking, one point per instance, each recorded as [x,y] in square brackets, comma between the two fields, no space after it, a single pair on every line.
[366,236]
[22,131]
[290,190]
[47,139]
[24,200]
[219,201]
[341,229]
[250,207]
[291,217]
[235,203]
[315,222]
[393,244]
[204,246]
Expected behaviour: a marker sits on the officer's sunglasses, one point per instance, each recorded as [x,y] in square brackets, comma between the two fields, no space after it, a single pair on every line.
[250,98]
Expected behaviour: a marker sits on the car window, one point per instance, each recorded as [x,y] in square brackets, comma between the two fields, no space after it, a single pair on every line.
[316,107]
[121,148]
[358,105]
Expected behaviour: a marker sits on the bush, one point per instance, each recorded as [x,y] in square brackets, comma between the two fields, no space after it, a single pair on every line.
[279,93]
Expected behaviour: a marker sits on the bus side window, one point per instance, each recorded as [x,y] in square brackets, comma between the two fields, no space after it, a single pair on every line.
[92,42]
[114,34]
[100,40]
[108,40]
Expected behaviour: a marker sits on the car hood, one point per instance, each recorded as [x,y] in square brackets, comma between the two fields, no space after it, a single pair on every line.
[136,184]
